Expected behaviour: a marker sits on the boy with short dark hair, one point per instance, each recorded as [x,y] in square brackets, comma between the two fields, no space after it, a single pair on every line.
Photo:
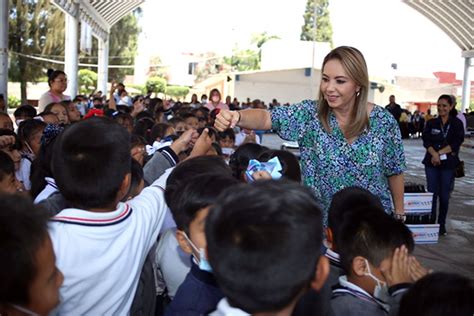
[264,245]
[29,278]
[374,250]
[199,292]
[100,242]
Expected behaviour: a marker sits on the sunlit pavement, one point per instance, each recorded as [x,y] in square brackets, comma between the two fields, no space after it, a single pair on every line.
[454,252]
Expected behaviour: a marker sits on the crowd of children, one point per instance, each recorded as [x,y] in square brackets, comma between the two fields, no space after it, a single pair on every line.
[145,209]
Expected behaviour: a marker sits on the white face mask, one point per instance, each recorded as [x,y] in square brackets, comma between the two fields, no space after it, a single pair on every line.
[202,260]
[25,310]
[381,289]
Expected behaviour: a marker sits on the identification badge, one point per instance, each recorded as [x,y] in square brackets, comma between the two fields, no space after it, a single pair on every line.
[443,157]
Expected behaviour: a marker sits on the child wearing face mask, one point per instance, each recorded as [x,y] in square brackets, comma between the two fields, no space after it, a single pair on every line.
[199,292]
[375,254]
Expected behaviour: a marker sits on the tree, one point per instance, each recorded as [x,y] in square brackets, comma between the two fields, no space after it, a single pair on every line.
[243,60]
[177,91]
[123,43]
[32,31]
[323,32]
[156,85]
[87,80]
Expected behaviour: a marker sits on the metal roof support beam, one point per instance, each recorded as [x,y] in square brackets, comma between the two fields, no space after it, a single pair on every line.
[4,49]
[103,65]
[72,50]
[466,84]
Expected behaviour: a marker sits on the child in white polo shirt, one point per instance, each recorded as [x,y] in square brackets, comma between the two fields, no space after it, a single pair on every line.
[100,242]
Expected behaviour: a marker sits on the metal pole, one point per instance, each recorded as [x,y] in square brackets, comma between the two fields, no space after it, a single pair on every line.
[313,75]
[4,50]
[71,51]
[103,65]
[466,84]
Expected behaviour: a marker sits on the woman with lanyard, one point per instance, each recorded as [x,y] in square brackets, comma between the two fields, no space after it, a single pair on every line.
[57,82]
[344,140]
[442,138]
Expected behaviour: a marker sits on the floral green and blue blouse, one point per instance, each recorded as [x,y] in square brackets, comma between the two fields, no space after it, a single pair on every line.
[329,163]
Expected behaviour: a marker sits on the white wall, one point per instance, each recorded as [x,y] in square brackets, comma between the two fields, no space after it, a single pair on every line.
[286,86]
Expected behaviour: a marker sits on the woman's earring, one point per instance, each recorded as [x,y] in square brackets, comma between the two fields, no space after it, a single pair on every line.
[358,93]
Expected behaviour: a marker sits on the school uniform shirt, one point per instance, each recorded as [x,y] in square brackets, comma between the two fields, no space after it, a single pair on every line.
[101,254]
[172,261]
[224,309]
[48,190]
[335,266]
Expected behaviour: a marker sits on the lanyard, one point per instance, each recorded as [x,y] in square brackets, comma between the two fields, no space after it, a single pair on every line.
[445,132]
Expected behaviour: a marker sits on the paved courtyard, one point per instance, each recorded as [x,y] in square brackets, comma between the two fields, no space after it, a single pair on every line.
[454,252]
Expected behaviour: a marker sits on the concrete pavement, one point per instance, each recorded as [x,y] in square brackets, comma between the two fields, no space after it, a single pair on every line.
[454,252]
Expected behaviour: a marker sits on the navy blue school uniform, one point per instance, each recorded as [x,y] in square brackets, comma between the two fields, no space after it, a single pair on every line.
[199,294]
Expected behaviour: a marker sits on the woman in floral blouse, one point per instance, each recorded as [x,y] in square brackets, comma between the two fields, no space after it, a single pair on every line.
[344,140]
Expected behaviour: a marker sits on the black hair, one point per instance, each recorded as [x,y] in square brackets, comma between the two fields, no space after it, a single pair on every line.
[136,140]
[143,128]
[175,120]
[217,148]
[48,108]
[256,234]
[227,133]
[28,128]
[451,101]
[100,146]
[136,179]
[187,115]
[439,294]
[289,163]
[7,167]
[158,131]
[41,166]
[53,74]
[347,200]
[25,110]
[199,192]
[23,231]
[190,168]
[371,234]
[239,160]
[121,116]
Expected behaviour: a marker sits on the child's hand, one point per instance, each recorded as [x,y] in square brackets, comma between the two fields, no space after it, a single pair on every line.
[417,271]
[184,141]
[202,145]
[399,270]
[6,140]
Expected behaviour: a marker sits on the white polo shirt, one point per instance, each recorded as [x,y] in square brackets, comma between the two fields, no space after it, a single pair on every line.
[101,254]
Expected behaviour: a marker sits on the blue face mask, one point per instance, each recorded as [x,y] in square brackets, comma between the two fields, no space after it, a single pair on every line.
[202,260]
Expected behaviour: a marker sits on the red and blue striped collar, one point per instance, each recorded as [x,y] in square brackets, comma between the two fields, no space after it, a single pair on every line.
[87,218]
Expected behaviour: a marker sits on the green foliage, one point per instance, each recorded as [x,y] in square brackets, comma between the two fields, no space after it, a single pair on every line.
[139,87]
[156,85]
[177,91]
[323,32]
[87,81]
[13,102]
[123,43]
[243,60]
[33,30]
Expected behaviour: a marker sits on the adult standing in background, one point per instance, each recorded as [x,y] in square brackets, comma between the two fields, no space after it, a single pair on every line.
[394,108]
[57,81]
[344,140]
[442,138]
[216,101]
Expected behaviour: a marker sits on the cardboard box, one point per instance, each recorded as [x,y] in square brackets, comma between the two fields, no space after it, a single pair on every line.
[425,233]
[418,203]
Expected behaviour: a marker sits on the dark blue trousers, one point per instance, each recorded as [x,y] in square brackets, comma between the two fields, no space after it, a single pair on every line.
[439,182]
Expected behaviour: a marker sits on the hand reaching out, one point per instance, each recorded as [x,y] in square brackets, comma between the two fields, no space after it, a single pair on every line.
[6,140]
[226,119]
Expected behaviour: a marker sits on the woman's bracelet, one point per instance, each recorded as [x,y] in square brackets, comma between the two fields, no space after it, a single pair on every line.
[400,216]
[240,115]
